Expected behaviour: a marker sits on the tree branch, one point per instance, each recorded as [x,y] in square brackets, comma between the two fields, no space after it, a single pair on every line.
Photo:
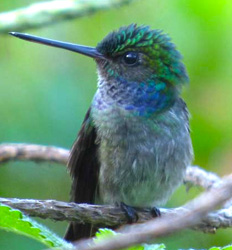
[46,13]
[156,228]
[202,178]
[108,215]
[32,152]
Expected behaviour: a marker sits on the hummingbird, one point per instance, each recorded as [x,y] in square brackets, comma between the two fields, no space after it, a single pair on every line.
[134,144]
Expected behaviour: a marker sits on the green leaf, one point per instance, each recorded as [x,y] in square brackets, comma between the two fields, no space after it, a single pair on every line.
[15,221]
[154,247]
[105,233]
[229,247]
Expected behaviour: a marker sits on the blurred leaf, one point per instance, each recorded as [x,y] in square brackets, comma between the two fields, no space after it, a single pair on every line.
[227,247]
[15,221]
[154,247]
[224,248]
[105,233]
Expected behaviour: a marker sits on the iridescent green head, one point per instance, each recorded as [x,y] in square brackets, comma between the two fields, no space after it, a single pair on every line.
[140,69]
[138,53]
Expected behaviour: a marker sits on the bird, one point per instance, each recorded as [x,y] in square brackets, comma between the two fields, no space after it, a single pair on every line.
[134,144]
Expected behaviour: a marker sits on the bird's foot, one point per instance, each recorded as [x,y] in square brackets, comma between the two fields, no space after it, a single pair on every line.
[130,213]
[155,212]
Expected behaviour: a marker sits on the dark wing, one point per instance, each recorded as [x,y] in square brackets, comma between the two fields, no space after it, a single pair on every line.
[84,168]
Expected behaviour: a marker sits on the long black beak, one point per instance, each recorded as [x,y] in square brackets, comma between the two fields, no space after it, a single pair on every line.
[84,50]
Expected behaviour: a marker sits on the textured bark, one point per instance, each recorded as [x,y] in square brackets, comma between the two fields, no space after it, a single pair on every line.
[108,215]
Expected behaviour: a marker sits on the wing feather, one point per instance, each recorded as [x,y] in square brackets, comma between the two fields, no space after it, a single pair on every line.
[84,168]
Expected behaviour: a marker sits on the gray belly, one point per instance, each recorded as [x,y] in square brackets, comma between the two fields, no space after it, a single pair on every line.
[142,174]
[142,163]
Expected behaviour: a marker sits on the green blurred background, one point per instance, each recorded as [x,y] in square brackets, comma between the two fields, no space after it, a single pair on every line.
[45,92]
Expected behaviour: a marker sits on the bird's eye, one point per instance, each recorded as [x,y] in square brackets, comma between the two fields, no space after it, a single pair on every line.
[131,58]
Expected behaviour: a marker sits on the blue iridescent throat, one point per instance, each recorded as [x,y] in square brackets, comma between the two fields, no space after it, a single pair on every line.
[142,99]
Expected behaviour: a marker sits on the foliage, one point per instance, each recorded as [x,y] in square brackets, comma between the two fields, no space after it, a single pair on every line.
[15,221]
[223,248]
[105,233]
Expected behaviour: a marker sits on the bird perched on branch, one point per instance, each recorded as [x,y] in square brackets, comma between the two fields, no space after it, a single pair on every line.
[134,144]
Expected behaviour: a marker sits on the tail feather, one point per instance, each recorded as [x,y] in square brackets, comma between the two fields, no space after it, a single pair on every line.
[77,231]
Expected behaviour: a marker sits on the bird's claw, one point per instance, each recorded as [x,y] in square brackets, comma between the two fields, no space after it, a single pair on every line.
[130,213]
[155,212]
